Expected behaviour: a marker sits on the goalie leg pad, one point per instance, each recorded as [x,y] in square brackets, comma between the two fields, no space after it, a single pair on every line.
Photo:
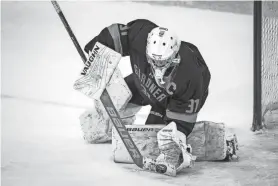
[97,126]
[208,141]
[144,137]
[172,146]
[170,150]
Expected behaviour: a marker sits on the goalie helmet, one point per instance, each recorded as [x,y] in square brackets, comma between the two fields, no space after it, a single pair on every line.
[162,52]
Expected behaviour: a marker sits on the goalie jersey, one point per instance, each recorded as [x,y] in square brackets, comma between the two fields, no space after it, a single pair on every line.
[187,89]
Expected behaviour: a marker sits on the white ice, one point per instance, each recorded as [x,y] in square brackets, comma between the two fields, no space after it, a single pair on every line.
[41,138]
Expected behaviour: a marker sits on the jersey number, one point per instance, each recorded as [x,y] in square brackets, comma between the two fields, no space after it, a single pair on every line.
[193,106]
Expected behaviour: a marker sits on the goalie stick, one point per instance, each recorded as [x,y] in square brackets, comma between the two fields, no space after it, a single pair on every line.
[142,162]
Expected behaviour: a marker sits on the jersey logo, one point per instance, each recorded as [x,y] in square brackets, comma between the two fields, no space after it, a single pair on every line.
[90,60]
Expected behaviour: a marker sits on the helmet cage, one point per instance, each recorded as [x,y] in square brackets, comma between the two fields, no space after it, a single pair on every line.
[159,67]
[159,63]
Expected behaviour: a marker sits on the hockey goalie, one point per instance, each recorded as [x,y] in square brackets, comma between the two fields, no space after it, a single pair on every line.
[171,76]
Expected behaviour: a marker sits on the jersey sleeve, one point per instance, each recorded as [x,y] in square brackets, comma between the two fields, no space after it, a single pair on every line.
[186,102]
[114,36]
[121,37]
[185,105]
[183,108]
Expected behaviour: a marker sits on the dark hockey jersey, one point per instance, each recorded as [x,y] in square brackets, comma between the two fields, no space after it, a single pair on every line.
[188,88]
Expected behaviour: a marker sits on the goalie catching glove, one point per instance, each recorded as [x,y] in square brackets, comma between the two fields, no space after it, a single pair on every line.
[173,148]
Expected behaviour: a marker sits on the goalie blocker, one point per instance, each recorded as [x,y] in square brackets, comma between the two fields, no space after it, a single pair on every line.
[101,72]
[209,141]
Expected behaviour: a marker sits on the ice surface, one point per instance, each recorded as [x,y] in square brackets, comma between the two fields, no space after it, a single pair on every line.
[41,138]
